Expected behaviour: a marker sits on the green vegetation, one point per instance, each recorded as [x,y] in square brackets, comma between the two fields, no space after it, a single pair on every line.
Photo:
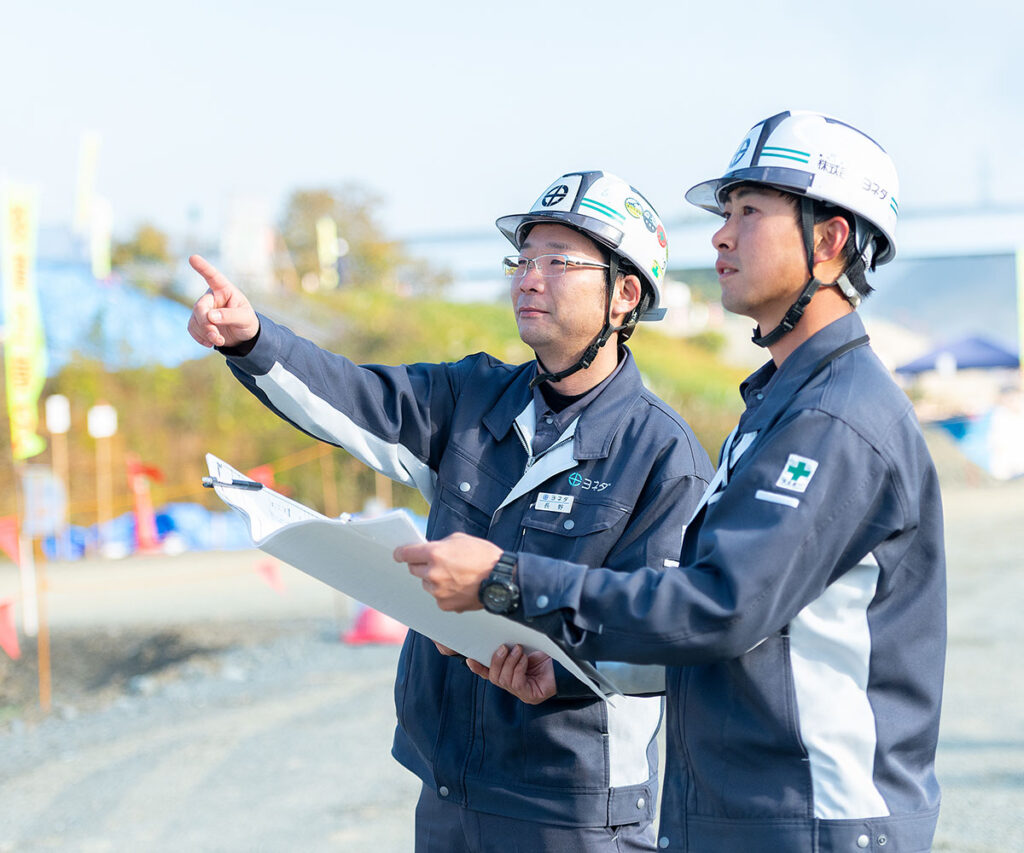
[694,381]
[370,256]
[147,244]
[170,417]
[386,311]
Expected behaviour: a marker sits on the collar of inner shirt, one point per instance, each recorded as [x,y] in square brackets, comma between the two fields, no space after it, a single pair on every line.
[555,411]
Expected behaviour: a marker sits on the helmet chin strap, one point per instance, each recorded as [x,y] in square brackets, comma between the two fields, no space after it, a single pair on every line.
[796,310]
[590,353]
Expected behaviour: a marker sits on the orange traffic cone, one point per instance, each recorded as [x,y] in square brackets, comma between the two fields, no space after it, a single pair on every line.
[268,571]
[372,626]
[8,633]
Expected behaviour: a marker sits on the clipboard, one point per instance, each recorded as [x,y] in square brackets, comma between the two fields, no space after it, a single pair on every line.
[354,556]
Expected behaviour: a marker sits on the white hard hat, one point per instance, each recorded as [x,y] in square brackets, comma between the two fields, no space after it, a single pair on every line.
[822,158]
[609,211]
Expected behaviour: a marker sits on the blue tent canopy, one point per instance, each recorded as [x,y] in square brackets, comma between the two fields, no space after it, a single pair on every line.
[111,321]
[966,353]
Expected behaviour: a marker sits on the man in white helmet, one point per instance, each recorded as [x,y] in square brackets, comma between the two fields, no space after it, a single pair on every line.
[804,629]
[568,456]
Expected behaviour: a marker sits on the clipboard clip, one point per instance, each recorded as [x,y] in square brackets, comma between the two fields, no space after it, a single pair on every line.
[249,485]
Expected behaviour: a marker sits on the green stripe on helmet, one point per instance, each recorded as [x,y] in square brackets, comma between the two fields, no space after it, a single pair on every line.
[766,153]
[602,208]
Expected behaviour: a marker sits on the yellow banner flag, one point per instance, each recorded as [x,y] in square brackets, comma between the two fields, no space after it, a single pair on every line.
[24,342]
[99,238]
[327,251]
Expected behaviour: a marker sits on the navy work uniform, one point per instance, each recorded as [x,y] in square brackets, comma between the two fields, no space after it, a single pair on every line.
[614,487]
[805,628]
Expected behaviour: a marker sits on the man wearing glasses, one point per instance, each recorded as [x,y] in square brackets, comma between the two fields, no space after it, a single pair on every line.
[568,456]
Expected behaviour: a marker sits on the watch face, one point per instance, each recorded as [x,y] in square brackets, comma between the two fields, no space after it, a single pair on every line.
[497,597]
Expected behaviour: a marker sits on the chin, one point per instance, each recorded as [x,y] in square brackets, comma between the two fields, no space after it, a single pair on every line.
[733,305]
[532,339]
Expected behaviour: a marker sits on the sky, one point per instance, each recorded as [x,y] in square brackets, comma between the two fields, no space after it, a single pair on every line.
[456,113]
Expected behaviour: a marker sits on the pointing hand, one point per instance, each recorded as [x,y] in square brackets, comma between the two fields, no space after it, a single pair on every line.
[222,316]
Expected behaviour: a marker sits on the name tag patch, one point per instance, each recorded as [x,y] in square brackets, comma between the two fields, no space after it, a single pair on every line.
[797,473]
[554,503]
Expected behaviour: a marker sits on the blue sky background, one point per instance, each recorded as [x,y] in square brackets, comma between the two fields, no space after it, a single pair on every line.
[459,112]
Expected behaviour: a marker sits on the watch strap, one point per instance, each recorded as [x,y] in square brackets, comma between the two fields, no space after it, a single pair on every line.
[506,565]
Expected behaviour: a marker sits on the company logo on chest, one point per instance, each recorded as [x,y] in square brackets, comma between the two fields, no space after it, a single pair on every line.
[555,502]
[578,481]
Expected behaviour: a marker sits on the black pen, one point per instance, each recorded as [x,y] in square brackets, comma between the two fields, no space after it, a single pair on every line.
[210,482]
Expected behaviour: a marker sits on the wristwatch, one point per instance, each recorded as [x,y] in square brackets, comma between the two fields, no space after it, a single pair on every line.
[498,591]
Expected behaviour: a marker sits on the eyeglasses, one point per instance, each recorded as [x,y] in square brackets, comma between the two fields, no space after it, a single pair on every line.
[549,266]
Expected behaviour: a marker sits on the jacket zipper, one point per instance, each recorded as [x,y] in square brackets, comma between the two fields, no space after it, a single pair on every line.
[526,446]
[530,459]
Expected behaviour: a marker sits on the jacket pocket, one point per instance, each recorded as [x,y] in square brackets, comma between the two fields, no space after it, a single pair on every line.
[585,535]
[452,512]
[559,745]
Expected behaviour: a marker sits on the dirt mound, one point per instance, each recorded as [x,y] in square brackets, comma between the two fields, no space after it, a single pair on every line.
[90,669]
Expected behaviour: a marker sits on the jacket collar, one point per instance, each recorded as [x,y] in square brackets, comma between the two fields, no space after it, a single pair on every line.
[599,421]
[769,389]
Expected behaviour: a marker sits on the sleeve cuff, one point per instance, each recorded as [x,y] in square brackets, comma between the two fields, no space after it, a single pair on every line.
[243,349]
[547,586]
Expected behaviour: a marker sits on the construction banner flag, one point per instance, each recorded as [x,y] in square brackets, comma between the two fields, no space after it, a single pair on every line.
[24,341]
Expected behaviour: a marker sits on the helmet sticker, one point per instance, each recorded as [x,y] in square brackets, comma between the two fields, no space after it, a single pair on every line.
[560,195]
[649,221]
[633,207]
[655,269]
[554,195]
[662,238]
[744,145]
[601,208]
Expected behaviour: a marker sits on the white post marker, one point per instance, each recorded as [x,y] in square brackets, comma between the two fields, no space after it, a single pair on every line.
[102,423]
[58,414]
[102,420]
[58,424]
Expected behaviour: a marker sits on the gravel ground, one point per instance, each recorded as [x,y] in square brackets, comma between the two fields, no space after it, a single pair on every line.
[261,731]
[248,743]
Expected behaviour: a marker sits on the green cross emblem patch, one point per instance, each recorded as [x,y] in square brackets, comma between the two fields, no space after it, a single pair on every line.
[796,473]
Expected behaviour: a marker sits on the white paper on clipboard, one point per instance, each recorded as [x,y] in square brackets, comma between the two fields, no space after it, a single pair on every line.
[354,556]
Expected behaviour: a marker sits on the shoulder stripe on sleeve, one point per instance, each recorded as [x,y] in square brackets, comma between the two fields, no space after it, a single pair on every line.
[776,498]
[318,417]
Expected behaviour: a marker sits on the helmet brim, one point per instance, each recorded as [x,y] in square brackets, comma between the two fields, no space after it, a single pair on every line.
[709,194]
[514,226]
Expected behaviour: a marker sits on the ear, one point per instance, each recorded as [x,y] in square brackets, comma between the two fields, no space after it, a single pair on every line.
[625,297]
[829,238]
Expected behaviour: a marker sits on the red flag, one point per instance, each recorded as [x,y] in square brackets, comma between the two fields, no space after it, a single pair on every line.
[9,538]
[8,633]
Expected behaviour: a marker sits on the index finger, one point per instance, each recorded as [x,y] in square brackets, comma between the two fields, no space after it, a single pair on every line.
[214,277]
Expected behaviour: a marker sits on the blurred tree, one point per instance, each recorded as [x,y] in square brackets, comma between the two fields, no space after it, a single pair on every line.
[145,260]
[372,259]
[148,245]
[171,417]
